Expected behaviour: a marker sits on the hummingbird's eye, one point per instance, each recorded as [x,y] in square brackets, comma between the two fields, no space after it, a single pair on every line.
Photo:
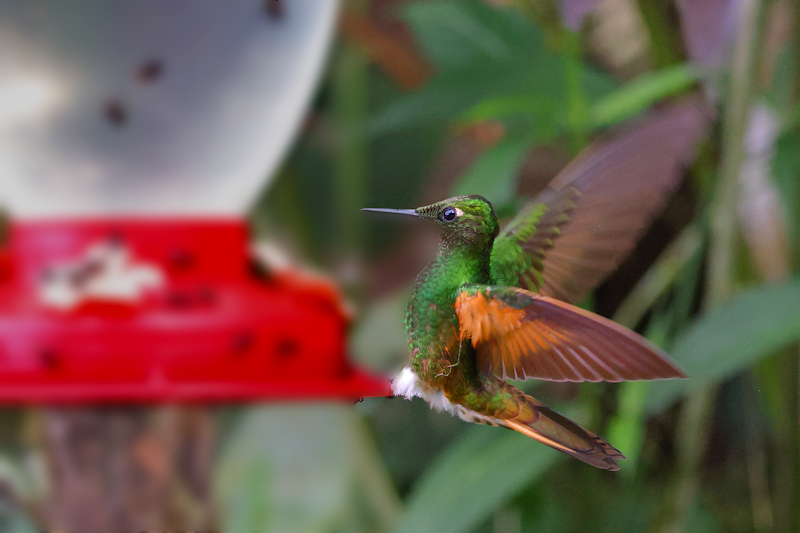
[449,214]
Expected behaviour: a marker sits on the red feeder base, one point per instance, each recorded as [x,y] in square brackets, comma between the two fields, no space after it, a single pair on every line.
[214,329]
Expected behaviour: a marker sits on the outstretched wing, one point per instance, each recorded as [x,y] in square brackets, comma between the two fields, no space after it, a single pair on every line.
[520,250]
[583,225]
[520,335]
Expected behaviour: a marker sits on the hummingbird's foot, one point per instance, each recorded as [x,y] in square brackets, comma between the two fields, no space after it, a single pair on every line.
[449,368]
[446,372]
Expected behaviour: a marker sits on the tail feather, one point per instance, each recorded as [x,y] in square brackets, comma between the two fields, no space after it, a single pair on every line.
[557,431]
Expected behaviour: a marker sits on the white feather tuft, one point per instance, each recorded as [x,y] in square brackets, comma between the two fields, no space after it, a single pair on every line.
[439,401]
[408,385]
[405,384]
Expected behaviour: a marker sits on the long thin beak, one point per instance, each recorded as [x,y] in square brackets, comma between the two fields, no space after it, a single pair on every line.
[411,212]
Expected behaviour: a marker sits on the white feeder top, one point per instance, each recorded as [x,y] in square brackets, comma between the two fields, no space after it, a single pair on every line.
[173,108]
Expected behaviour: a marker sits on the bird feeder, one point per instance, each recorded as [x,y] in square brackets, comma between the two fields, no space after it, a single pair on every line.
[133,136]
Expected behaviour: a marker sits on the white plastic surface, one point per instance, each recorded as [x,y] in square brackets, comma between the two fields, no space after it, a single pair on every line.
[151,107]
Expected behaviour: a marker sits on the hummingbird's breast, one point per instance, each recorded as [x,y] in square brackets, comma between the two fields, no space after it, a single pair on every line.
[431,321]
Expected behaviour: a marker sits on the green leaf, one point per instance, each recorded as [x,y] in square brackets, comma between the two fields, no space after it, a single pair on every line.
[786,175]
[749,326]
[471,479]
[626,429]
[636,96]
[463,33]
[493,175]
[302,468]
[502,107]
[482,52]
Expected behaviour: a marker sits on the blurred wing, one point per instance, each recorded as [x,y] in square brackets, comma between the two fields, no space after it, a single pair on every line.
[521,335]
[616,187]
[519,251]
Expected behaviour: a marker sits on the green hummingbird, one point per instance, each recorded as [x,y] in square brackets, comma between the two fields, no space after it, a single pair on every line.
[494,305]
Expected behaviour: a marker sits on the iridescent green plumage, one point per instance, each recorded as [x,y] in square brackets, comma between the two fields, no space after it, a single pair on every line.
[462,258]
[519,252]
[443,360]
[495,305]
[468,331]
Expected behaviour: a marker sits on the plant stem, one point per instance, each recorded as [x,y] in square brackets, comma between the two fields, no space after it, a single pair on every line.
[787,491]
[665,46]
[694,422]
[660,277]
[724,208]
[578,111]
[350,97]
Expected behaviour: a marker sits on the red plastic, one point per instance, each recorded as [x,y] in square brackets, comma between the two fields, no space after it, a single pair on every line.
[216,330]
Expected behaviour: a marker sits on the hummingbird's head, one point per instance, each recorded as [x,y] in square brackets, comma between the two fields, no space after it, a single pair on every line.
[466,219]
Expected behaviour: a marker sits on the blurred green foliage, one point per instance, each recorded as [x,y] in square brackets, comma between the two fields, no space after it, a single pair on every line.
[717,452]
[509,96]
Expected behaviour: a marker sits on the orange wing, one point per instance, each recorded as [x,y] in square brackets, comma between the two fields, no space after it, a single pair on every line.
[521,335]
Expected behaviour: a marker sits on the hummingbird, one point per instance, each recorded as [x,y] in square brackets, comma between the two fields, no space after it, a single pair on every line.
[495,305]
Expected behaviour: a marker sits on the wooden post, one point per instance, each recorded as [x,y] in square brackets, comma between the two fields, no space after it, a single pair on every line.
[128,469]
